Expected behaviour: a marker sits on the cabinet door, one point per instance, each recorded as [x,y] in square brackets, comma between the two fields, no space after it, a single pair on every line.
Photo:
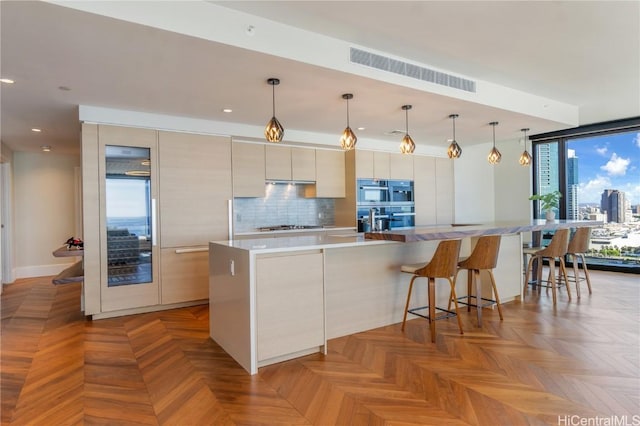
[329,174]
[401,166]
[128,187]
[425,190]
[381,165]
[290,304]
[195,186]
[444,191]
[248,167]
[185,274]
[303,164]
[364,164]
[277,162]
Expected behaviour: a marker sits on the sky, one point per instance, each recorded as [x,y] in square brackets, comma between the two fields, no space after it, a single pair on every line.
[608,162]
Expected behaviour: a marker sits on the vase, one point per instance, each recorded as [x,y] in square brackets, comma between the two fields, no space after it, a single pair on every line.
[550,216]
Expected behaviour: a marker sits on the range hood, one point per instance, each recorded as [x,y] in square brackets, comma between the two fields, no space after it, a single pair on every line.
[290,182]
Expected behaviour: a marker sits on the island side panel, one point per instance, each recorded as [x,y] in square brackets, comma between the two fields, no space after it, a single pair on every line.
[365,288]
[230,301]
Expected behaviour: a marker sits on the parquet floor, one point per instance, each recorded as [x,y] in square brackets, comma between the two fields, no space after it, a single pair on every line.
[539,366]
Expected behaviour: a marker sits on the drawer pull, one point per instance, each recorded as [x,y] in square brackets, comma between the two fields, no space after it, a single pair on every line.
[192,250]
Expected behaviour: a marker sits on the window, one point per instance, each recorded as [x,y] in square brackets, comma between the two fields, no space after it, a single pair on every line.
[597,170]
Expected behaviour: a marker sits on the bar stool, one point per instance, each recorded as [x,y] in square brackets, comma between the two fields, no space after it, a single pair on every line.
[578,246]
[483,258]
[557,248]
[443,264]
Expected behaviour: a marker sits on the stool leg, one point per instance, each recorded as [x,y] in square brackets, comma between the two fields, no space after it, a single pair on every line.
[552,273]
[576,277]
[406,307]
[455,302]
[526,275]
[476,277]
[495,292]
[432,308]
[586,271]
[452,294]
[469,289]
[563,270]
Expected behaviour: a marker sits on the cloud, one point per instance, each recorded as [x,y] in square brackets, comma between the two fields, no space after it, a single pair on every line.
[636,140]
[591,191]
[616,166]
[602,151]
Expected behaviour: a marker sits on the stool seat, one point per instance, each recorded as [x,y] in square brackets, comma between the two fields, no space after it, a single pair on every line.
[443,264]
[483,258]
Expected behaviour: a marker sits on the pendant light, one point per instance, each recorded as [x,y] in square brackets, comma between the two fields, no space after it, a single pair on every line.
[348,139]
[407,146]
[274,130]
[454,150]
[494,156]
[525,157]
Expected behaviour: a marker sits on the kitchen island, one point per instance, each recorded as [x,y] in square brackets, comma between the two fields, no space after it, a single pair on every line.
[273,299]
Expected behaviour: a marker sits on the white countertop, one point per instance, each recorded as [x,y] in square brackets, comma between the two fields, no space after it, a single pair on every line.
[301,242]
[323,229]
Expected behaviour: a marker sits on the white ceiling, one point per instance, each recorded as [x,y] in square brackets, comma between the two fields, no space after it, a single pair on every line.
[584,54]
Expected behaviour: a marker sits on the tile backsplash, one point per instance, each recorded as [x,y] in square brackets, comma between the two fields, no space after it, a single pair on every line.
[283,204]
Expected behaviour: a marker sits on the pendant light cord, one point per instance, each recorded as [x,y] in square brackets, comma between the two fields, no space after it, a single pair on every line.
[406,121]
[454,129]
[347,111]
[273,98]
[494,135]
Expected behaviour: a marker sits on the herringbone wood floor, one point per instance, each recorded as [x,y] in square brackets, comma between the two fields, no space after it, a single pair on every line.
[581,358]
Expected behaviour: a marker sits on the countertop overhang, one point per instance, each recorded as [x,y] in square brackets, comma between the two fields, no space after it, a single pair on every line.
[452,232]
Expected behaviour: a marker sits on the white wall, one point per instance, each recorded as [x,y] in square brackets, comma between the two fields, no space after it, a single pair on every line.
[44,211]
[474,186]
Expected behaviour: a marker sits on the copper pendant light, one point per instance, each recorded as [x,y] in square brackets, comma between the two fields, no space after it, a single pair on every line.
[274,130]
[525,157]
[407,146]
[494,156]
[348,139]
[454,150]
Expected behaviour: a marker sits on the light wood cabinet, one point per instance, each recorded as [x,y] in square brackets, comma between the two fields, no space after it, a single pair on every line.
[195,187]
[364,164]
[185,274]
[424,188]
[381,168]
[248,168]
[290,306]
[401,166]
[303,164]
[277,162]
[330,175]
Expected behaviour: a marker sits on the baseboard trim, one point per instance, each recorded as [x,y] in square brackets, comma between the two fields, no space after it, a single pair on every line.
[40,270]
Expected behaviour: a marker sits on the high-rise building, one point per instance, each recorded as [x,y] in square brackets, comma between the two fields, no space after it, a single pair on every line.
[573,212]
[547,170]
[614,203]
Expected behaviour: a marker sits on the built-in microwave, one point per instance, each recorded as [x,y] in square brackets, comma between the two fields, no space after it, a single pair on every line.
[373,191]
[402,216]
[400,191]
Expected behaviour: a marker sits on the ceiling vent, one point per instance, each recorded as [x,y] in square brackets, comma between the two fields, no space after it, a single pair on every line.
[373,60]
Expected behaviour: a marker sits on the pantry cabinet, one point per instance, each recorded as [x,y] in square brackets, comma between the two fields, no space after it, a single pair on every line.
[330,175]
[248,167]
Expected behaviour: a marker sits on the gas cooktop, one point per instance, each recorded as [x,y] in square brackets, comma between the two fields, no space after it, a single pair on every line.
[287,227]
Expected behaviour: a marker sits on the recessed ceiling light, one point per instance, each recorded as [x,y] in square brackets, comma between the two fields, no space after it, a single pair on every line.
[227,110]
[64,88]
[45,148]
[36,130]
[361,128]
[6,80]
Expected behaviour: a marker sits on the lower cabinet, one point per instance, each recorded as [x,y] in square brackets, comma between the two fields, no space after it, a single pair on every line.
[185,274]
[290,302]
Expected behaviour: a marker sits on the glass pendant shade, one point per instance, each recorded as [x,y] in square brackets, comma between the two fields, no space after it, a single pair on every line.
[525,157]
[407,146]
[348,139]
[494,156]
[274,131]
[454,150]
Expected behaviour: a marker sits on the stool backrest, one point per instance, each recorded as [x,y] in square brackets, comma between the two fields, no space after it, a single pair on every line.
[580,241]
[558,245]
[444,262]
[484,255]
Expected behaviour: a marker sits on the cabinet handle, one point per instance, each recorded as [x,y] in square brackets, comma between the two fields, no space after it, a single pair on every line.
[192,250]
[153,222]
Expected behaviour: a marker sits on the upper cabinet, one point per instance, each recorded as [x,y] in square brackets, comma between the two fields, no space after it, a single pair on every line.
[444,191]
[381,165]
[401,166]
[248,166]
[330,175]
[195,186]
[303,164]
[277,162]
[424,189]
